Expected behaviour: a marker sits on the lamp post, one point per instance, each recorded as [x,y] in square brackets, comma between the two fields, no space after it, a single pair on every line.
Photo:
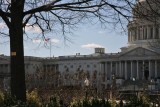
[59,76]
[113,90]
[86,83]
[134,91]
[151,84]
[134,84]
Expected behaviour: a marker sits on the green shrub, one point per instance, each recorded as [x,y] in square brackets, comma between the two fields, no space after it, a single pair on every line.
[1,98]
[53,102]
[33,99]
[9,100]
[95,102]
[76,103]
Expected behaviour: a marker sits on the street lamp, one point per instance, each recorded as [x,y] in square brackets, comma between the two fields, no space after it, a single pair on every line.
[134,90]
[134,84]
[113,89]
[86,83]
[59,77]
[151,84]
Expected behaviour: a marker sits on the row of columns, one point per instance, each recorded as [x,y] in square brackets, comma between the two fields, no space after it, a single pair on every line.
[129,69]
[143,33]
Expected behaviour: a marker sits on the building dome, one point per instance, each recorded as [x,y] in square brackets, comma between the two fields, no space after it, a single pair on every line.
[144,29]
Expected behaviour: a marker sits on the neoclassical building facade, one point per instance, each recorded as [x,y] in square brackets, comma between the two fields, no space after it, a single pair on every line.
[138,62]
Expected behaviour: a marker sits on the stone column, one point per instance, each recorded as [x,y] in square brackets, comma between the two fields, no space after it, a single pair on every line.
[129,35]
[100,66]
[143,37]
[116,69]
[140,34]
[105,75]
[137,70]
[156,74]
[154,32]
[106,71]
[149,68]
[98,76]
[103,72]
[137,33]
[126,70]
[120,73]
[145,32]
[131,69]
[134,34]
[142,29]
[111,68]
[159,32]
[143,70]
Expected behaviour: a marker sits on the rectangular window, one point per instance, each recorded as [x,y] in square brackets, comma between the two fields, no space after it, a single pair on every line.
[157,32]
[151,33]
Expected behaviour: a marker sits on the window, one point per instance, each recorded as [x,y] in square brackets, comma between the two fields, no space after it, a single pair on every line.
[151,33]
[157,32]
[6,65]
[65,66]
[71,66]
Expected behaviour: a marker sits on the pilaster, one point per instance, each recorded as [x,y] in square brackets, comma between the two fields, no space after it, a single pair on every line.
[149,68]
[156,74]
[137,70]
[131,69]
[137,33]
[148,32]
[154,32]
[126,70]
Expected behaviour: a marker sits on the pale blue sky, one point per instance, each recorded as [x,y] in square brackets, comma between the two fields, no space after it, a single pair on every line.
[84,39]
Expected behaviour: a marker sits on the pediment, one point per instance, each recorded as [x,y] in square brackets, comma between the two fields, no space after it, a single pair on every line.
[140,52]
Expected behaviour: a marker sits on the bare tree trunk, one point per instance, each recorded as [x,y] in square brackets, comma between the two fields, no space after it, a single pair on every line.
[18,88]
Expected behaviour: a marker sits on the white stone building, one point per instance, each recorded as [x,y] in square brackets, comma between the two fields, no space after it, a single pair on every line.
[139,60]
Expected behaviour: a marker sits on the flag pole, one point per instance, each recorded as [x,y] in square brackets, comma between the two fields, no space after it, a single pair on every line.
[50,49]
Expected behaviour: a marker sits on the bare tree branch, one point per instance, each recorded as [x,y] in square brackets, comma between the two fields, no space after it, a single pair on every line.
[5,16]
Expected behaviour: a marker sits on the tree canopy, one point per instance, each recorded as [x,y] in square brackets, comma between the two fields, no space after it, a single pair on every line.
[49,15]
